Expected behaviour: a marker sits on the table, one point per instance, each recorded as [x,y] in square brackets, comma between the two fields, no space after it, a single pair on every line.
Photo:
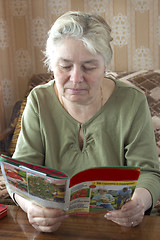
[15,226]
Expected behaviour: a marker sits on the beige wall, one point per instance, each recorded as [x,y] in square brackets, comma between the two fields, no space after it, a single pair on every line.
[23,31]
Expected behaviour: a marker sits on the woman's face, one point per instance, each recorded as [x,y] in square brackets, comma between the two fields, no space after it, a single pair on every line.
[78,73]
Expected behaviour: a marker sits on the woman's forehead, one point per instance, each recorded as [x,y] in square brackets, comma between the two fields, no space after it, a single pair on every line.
[93,61]
[72,50]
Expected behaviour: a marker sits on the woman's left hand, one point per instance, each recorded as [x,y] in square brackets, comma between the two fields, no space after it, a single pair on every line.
[131,214]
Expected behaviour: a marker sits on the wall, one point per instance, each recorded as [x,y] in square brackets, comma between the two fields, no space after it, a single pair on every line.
[23,32]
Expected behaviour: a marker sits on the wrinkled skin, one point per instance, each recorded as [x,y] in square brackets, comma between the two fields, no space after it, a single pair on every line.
[131,214]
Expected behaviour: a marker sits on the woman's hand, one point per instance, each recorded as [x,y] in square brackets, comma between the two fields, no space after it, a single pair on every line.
[131,214]
[42,219]
[45,219]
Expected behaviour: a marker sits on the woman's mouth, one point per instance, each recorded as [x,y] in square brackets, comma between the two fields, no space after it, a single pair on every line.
[76,90]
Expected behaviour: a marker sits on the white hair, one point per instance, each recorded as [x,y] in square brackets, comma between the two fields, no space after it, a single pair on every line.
[92,30]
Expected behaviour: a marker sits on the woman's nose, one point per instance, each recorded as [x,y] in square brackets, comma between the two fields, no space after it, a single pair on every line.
[76,75]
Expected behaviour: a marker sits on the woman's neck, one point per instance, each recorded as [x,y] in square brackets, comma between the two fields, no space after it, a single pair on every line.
[82,113]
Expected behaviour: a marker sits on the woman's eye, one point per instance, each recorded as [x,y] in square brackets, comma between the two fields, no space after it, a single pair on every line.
[65,67]
[88,69]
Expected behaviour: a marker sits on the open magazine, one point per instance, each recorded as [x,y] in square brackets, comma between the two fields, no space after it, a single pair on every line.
[91,191]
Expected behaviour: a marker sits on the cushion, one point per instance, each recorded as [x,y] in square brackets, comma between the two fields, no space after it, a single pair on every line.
[17,129]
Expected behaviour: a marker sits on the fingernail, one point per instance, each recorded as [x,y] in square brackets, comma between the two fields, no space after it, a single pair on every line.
[108,214]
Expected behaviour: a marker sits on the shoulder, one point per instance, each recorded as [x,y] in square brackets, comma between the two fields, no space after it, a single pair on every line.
[43,87]
[129,92]
[41,96]
[123,86]
[119,191]
[109,196]
[125,95]
[42,91]
[96,196]
[120,87]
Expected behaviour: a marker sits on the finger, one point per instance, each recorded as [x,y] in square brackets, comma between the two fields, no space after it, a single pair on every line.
[47,228]
[49,221]
[37,211]
[130,214]
[125,220]
[128,223]
[47,224]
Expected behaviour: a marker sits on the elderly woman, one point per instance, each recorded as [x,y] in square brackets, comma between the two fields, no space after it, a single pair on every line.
[82,119]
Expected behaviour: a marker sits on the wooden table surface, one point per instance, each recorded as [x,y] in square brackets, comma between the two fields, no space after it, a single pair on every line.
[15,226]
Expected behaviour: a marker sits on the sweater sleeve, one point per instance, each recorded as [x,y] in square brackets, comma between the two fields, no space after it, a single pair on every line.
[141,150]
[30,144]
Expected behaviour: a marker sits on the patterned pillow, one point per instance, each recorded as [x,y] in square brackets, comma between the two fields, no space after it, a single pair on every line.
[149,82]
[17,129]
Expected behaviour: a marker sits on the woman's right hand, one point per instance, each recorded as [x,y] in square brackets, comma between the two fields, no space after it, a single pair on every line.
[42,219]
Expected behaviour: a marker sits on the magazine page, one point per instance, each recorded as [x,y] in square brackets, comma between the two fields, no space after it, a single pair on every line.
[36,186]
[100,196]
[97,190]
[42,169]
